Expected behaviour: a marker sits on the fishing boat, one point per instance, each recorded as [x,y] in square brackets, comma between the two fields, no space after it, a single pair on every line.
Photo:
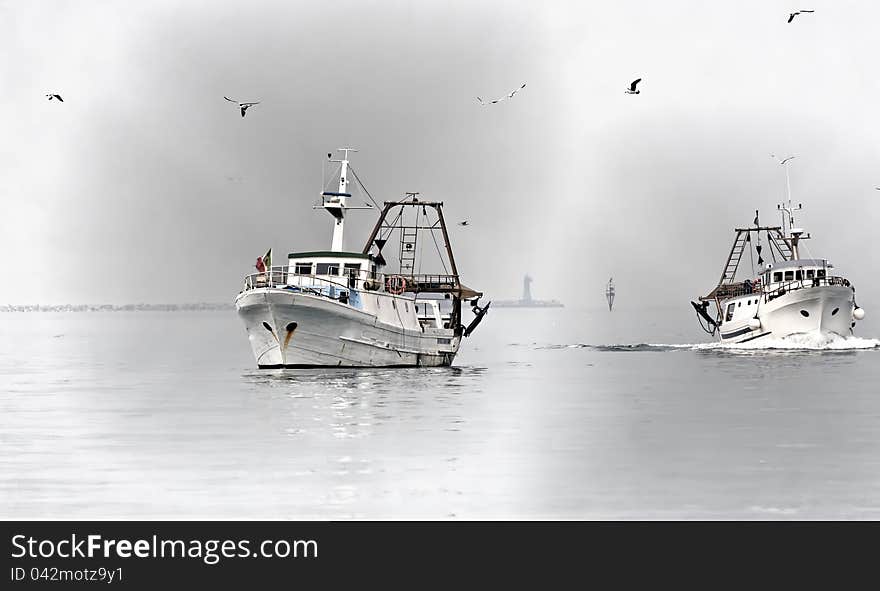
[609,293]
[787,296]
[339,308]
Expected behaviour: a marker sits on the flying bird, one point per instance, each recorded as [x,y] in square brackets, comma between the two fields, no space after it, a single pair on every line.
[507,96]
[464,222]
[794,14]
[782,161]
[516,90]
[243,106]
[632,87]
[55,96]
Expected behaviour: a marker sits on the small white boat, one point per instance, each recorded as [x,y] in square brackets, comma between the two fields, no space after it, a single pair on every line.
[609,293]
[790,295]
[342,308]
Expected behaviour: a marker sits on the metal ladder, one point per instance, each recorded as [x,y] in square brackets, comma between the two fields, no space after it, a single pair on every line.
[739,246]
[408,238]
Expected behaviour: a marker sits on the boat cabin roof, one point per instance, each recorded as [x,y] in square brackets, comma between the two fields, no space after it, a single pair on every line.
[327,254]
[798,263]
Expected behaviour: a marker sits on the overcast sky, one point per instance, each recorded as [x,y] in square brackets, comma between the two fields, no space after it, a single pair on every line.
[146,186]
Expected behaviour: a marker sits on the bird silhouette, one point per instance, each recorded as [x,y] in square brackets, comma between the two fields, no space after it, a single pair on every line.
[632,87]
[509,95]
[55,96]
[243,106]
[781,160]
[794,14]
[464,223]
[516,90]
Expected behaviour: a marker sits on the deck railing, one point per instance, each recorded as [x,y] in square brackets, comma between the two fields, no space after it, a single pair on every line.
[731,290]
[787,286]
[281,276]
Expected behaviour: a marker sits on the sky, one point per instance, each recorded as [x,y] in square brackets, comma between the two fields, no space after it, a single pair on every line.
[145,185]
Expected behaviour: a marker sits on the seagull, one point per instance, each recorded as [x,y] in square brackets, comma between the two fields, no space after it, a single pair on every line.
[516,90]
[57,96]
[243,106]
[781,161]
[794,14]
[464,222]
[507,96]
[632,87]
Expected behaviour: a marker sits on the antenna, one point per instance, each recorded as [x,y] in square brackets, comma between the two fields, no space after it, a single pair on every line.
[789,209]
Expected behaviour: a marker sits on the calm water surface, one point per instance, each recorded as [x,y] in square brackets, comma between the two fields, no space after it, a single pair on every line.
[162,415]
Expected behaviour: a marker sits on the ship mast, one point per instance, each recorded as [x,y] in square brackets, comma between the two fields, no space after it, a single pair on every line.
[334,201]
[793,236]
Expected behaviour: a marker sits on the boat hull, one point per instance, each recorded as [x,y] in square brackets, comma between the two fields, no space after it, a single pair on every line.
[825,310]
[296,330]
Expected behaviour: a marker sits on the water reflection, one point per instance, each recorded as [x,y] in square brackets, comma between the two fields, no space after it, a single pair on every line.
[353,403]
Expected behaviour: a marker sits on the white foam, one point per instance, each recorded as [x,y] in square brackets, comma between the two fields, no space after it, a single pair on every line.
[812,341]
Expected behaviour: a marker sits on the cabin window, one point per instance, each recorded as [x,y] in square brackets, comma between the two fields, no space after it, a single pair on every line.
[739,304]
[303,269]
[777,276]
[810,273]
[729,316]
[799,275]
[820,273]
[327,269]
[352,270]
[789,275]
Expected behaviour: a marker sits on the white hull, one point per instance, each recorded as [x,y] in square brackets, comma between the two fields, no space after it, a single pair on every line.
[826,309]
[295,329]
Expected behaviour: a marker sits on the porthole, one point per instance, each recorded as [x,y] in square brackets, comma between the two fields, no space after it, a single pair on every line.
[291,326]
[267,327]
[805,314]
[835,311]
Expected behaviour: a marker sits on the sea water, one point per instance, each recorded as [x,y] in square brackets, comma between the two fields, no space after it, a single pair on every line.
[547,413]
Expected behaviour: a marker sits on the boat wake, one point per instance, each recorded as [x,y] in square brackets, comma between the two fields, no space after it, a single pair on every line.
[798,342]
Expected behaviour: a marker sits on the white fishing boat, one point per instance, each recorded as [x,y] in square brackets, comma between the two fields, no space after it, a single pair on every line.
[344,308]
[790,295]
[609,293]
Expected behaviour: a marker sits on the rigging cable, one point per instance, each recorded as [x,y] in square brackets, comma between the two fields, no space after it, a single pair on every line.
[751,256]
[357,178]
[442,262]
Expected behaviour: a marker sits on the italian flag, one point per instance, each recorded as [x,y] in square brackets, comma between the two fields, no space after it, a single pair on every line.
[264,263]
